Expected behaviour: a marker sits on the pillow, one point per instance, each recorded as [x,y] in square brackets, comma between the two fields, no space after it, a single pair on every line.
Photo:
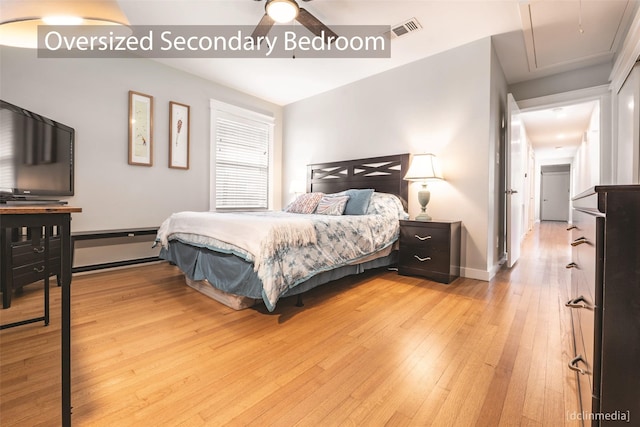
[358,201]
[305,204]
[387,204]
[332,205]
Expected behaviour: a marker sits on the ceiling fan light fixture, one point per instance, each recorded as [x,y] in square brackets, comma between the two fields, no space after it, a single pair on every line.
[282,11]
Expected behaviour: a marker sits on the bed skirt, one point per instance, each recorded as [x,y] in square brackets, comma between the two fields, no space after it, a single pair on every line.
[233,282]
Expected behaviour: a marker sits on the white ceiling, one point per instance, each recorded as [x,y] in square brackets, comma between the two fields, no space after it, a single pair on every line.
[533,39]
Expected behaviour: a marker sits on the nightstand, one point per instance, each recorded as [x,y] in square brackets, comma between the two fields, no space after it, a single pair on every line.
[430,249]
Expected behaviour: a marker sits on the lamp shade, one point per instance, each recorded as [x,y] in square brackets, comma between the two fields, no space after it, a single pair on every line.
[282,11]
[424,167]
[20,18]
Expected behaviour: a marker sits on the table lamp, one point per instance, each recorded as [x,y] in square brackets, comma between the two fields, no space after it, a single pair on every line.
[424,168]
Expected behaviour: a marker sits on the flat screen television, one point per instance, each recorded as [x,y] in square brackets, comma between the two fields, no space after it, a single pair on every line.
[36,155]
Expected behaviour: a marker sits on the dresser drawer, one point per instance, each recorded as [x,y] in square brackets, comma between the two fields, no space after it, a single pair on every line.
[583,255]
[582,363]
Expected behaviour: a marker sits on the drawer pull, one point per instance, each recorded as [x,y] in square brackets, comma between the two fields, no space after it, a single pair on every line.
[422,238]
[579,302]
[38,269]
[571,265]
[39,250]
[571,227]
[573,365]
[422,259]
[579,241]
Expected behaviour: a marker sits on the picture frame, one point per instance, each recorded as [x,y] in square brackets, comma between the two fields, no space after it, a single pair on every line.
[140,129]
[179,135]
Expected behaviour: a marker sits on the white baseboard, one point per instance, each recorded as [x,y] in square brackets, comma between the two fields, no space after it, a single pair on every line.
[473,273]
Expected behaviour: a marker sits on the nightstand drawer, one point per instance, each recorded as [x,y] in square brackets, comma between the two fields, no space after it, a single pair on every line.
[419,259]
[430,249]
[424,237]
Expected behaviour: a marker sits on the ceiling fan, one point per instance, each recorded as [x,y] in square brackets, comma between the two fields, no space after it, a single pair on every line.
[283,11]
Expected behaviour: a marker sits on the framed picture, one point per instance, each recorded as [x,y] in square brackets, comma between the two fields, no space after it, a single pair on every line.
[140,129]
[179,132]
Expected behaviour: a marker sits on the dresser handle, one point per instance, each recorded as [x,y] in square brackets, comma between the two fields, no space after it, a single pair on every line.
[571,227]
[579,241]
[573,365]
[39,250]
[422,238]
[571,265]
[38,269]
[579,302]
[422,259]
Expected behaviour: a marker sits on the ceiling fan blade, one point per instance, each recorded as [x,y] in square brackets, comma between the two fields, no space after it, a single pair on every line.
[314,25]
[263,27]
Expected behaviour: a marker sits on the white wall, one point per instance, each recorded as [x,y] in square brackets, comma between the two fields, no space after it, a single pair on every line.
[91,95]
[582,78]
[627,130]
[441,104]
[586,163]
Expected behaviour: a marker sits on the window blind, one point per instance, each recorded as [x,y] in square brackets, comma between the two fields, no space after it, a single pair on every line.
[242,162]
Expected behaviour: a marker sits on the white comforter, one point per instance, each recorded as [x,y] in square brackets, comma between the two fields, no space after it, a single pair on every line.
[260,235]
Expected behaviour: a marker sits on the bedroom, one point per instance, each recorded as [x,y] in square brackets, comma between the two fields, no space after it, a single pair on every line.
[424,98]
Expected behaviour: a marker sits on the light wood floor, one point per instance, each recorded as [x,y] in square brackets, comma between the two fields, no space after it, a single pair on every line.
[379,349]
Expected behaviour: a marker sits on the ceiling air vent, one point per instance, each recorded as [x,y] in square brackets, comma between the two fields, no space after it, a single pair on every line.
[410,26]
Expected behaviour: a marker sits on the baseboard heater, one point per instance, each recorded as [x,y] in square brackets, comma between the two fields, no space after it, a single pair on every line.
[110,234]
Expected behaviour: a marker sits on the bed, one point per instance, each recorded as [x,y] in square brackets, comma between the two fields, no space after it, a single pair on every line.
[242,258]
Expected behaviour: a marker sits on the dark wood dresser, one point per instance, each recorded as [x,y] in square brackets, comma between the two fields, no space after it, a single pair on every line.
[605,304]
[430,249]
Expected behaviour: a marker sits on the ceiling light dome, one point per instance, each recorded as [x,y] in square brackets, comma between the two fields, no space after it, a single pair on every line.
[20,18]
[282,11]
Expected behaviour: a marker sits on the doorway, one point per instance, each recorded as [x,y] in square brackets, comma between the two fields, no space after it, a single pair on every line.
[555,193]
[565,133]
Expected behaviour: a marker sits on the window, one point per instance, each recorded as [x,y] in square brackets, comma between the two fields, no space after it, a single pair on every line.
[241,152]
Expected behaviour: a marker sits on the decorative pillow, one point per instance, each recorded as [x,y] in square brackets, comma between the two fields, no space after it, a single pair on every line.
[358,201]
[305,204]
[332,205]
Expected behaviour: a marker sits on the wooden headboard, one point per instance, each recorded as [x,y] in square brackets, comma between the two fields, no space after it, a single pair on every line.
[383,174]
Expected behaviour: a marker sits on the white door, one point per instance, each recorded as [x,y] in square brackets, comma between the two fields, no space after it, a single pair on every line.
[555,196]
[515,177]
